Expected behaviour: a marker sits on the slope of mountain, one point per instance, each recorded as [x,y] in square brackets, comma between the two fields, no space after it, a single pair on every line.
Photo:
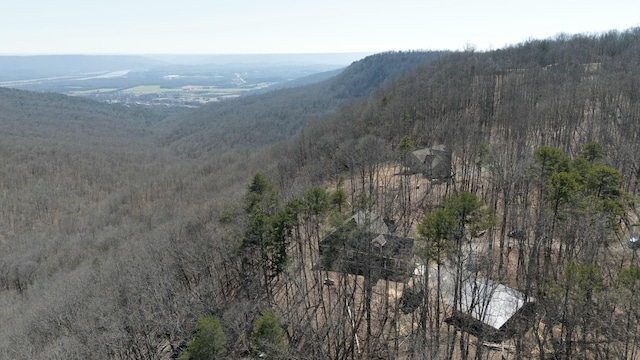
[546,133]
[267,118]
[55,115]
[120,227]
[559,93]
[95,220]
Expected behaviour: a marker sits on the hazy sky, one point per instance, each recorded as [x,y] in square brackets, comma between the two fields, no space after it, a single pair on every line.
[295,26]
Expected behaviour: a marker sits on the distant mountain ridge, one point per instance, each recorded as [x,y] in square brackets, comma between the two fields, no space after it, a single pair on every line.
[20,67]
[263,119]
[17,67]
[267,59]
[165,80]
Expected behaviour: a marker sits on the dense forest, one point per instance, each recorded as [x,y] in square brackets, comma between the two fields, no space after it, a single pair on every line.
[225,231]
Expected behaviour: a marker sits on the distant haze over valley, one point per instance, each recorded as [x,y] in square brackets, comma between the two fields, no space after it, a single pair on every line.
[165,79]
[273,59]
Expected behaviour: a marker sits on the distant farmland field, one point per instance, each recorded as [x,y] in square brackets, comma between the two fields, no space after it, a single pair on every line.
[136,80]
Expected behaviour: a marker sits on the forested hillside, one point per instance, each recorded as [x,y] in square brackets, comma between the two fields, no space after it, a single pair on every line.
[256,121]
[127,233]
[544,136]
[106,232]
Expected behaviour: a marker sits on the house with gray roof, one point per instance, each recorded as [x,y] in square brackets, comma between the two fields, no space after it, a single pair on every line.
[433,162]
[365,246]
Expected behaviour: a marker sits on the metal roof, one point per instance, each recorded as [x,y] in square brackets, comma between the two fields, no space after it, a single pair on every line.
[489,302]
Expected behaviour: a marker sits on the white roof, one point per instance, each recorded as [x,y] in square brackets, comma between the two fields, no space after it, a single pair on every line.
[490,302]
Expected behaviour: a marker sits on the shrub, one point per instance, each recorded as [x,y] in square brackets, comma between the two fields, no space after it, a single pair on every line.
[209,341]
